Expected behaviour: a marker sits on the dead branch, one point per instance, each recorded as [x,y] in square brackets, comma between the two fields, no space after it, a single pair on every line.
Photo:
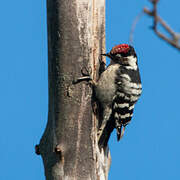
[174,36]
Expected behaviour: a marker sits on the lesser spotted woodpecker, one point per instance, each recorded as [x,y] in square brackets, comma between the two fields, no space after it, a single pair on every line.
[117,90]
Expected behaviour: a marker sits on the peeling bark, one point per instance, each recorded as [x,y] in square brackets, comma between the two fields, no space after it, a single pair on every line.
[76,37]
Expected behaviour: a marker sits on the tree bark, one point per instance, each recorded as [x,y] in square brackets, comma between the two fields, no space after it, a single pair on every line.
[76,37]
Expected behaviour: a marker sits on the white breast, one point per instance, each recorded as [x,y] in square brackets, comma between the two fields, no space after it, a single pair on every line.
[105,89]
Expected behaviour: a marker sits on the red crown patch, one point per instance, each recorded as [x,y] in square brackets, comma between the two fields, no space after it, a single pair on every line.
[121,48]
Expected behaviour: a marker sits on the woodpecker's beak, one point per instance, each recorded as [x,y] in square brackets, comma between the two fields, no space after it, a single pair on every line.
[108,55]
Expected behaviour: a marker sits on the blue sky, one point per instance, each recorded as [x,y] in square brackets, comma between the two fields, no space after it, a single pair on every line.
[150,147]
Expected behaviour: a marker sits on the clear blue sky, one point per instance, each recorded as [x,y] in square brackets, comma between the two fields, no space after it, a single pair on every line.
[150,148]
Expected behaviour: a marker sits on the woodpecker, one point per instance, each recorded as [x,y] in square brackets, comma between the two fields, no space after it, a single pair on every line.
[117,90]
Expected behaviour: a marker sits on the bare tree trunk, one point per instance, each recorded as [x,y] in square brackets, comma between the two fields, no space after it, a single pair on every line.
[76,37]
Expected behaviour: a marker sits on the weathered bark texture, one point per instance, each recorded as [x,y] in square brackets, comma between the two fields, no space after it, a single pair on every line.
[76,37]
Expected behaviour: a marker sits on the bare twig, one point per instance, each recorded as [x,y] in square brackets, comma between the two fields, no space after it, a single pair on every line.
[174,36]
[131,36]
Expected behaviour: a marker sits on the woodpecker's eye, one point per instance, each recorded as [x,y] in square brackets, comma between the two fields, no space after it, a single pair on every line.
[118,55]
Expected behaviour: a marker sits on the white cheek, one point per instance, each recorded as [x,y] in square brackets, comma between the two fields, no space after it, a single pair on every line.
[132,62]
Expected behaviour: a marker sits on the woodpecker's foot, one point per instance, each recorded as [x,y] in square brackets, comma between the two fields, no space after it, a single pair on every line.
[85,76]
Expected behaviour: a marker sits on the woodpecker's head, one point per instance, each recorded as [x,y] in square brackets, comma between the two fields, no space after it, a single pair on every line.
[123,54]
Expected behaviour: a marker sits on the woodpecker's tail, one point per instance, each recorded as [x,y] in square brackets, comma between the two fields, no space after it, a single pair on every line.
[120,132]
[103,141]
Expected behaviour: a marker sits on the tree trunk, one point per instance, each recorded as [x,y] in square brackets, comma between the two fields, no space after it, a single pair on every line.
[76,37]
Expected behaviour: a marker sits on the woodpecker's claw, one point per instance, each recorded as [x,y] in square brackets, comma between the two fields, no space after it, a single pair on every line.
[85,71]
[85,75]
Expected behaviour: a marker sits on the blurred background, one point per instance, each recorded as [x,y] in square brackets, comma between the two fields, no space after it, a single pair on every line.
[151,144]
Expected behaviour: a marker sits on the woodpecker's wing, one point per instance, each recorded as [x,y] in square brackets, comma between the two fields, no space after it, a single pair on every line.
[106,126]
[106,133]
